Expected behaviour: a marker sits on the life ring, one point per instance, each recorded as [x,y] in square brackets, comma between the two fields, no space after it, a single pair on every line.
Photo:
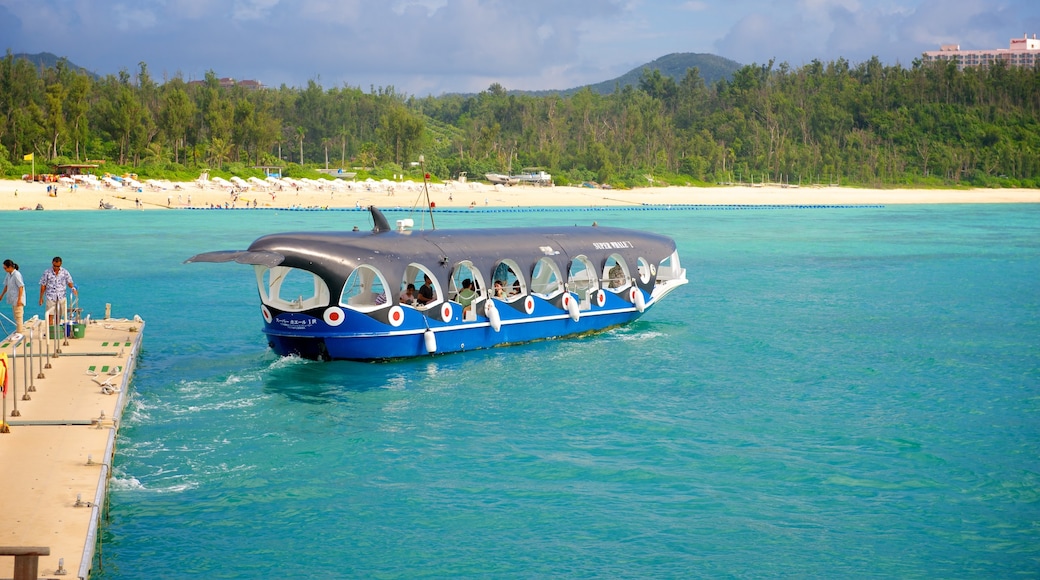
[395,316]
[266,313]
[601,298]
[334,316]
[529,305]
[446,312]
[3,371]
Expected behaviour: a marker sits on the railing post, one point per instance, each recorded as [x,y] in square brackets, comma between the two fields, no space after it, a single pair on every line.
[47,344]
[31,347]
[12,375]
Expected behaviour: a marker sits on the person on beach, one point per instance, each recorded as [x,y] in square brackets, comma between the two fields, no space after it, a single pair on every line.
[52,287]
[14,290]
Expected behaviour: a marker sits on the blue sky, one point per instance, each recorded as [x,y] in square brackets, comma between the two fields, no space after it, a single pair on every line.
[423,47]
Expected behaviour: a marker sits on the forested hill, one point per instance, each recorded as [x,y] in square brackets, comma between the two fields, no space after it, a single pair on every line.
[836,122]
[712,68]
[45,60]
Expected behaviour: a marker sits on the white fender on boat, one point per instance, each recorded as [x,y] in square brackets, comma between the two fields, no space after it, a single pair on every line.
[492,314]
[640,300]
[430,340]
[572,307]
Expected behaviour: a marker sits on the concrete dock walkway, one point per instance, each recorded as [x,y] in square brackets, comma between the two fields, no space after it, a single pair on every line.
[58,441]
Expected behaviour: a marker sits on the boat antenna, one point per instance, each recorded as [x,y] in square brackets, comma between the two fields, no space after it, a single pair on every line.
[426,187]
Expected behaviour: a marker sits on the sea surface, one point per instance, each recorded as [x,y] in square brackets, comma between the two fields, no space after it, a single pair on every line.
[838,392]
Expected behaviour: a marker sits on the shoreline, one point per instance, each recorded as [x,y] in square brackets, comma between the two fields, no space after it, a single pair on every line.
[18,195]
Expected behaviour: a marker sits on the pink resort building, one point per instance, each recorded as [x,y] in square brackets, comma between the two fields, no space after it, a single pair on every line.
[1023,51]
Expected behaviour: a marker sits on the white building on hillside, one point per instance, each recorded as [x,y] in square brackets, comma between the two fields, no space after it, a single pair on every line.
[1023,51]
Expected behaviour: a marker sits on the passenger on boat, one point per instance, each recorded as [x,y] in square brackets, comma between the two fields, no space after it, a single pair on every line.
[408,296]
[426,294]
[617,276]
[516,287]
[466,295]
[499,290]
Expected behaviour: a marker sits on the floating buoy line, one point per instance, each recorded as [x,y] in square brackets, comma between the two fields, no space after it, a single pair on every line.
[562,209]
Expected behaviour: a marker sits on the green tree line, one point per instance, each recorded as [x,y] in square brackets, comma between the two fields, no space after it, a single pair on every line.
[866,124]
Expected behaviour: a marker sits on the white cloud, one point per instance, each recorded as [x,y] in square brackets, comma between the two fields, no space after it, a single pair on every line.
[190,9]
[323,12]
[430,6]
[133,18]
[694,6]
[252,9]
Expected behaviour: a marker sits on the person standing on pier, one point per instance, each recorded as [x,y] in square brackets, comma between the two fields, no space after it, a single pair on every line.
[52,287]
[14,289]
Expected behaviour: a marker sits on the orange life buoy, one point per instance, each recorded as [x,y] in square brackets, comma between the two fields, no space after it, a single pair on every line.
[3,371]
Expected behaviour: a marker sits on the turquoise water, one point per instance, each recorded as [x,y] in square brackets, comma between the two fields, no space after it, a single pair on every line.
[837,392]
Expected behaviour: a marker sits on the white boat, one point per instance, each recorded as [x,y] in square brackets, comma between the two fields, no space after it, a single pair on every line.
[533,177]
[501,179]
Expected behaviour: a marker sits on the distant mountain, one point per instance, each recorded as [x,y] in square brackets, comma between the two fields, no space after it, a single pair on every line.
[712,68]
[48,60]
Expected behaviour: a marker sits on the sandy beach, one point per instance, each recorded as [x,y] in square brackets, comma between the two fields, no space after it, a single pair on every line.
[16,195]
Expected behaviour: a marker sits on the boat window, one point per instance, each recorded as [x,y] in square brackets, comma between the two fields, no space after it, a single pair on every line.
[414,274]
[464,271]
[512,284]
[615,273]
[545,278]
[466,287]
[365,289]
[291,289]
[645,270]
[582,280]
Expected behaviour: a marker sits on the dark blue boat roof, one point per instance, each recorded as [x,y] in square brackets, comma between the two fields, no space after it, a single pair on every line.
[334,255]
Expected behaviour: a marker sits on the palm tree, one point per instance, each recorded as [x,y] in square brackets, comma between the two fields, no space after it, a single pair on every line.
[219,150]
[154,154]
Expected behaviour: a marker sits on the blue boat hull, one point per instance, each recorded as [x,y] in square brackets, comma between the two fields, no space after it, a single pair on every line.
[364,337]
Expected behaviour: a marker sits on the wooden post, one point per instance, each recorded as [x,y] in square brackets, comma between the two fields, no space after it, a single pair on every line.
[26,560]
